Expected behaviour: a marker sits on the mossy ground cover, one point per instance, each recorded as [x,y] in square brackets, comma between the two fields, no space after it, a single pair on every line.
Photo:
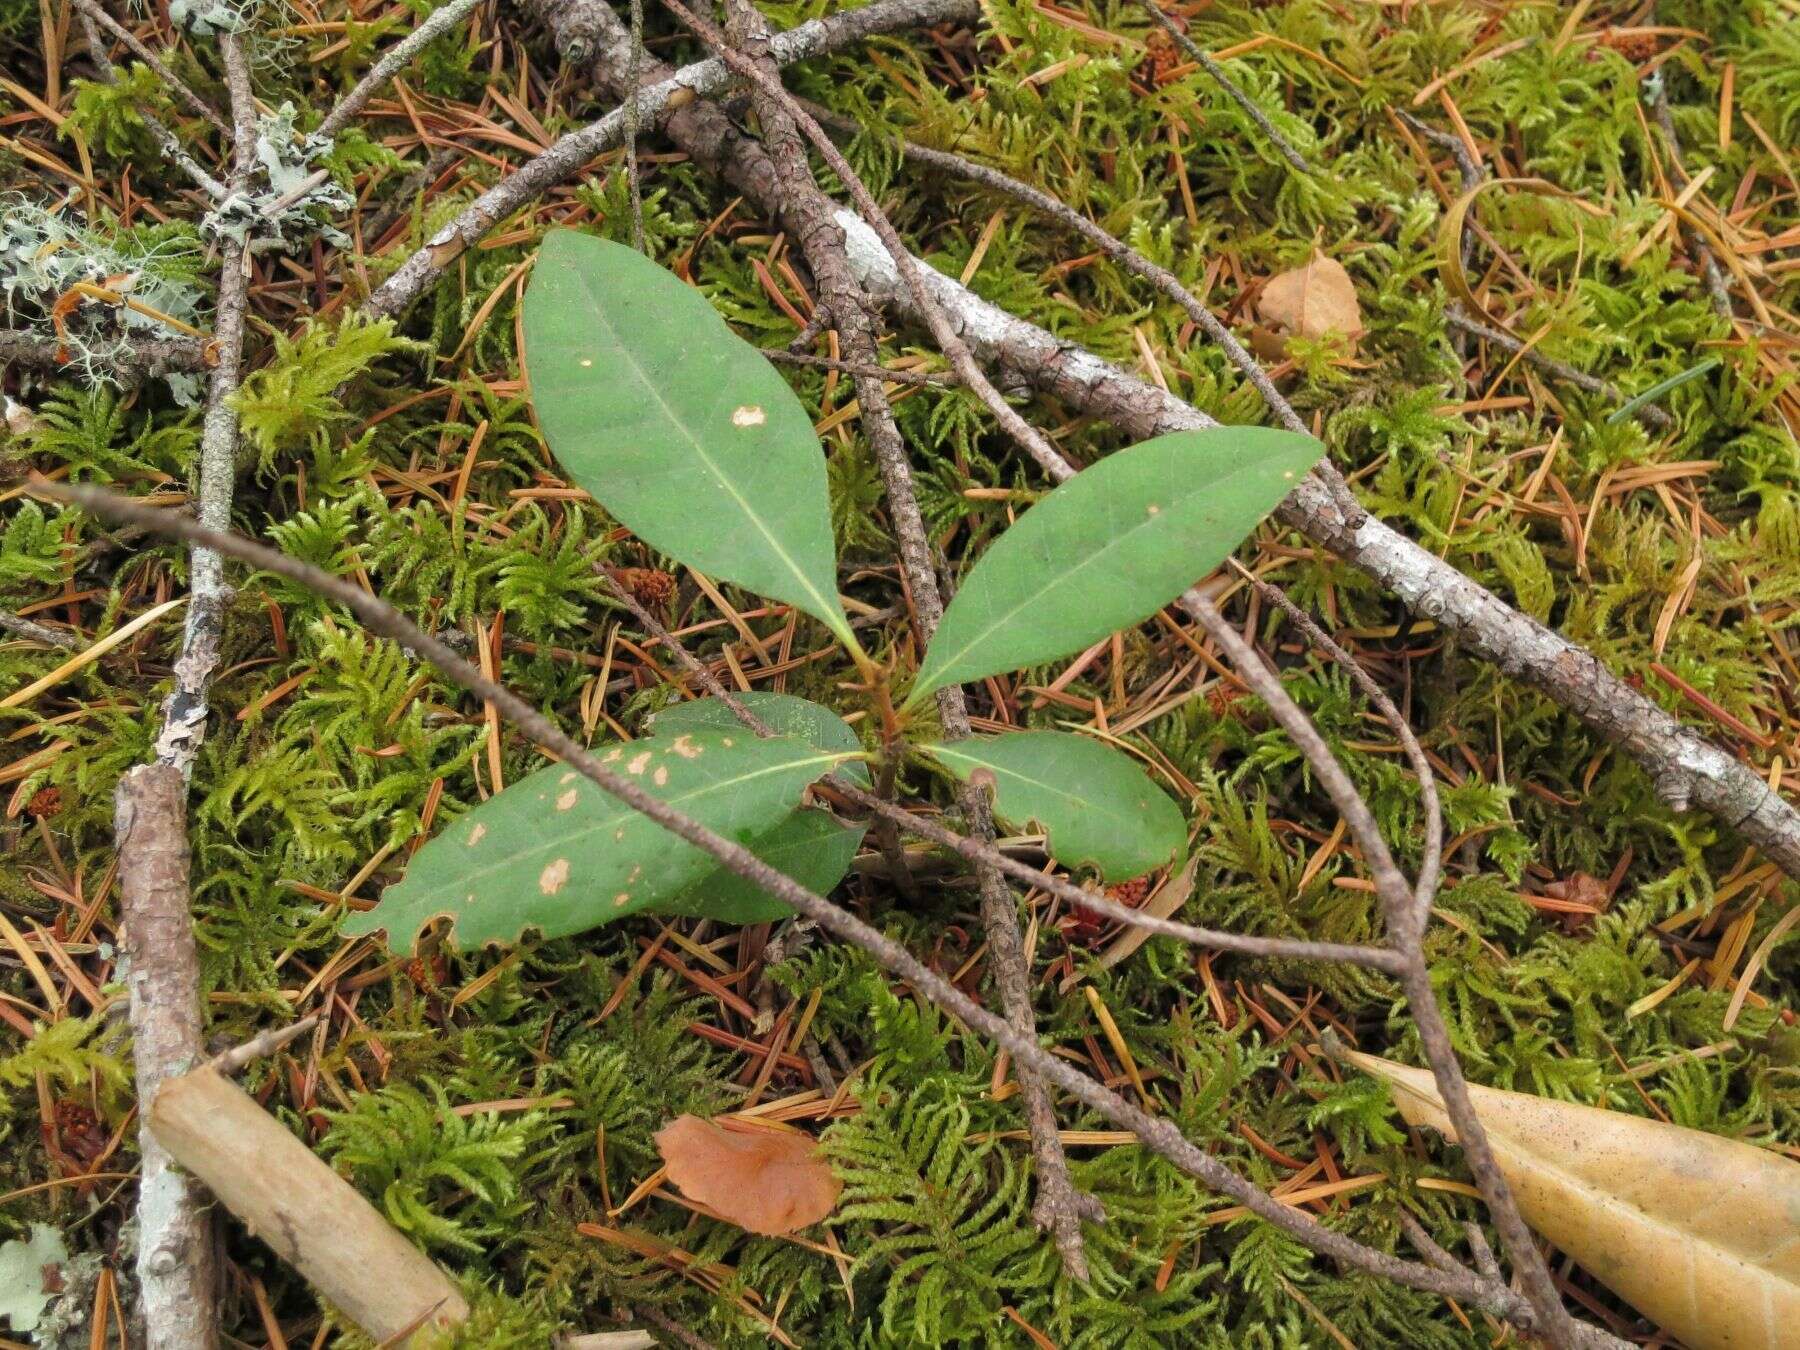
[499,1105]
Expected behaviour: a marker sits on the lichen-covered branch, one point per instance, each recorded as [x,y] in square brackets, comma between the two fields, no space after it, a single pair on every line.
[185,709]
[1686,767]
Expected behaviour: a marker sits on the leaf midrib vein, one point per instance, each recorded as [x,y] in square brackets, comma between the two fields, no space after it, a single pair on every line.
[624,348]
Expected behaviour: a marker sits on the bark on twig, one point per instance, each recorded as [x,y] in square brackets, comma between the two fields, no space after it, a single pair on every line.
[34,632]
[312,1218]
[177,1264]
[1650,414]
[152,357]
[1686,767]
[1156,1133]
[572,152]
[392,62]
[185,709]
[1059,1207]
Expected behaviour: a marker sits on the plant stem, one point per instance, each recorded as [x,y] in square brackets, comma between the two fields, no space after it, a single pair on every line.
[1158,1134]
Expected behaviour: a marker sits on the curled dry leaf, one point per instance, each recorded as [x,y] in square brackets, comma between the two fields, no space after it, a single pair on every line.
[1699,1233]
[769,1182]
[1310,302]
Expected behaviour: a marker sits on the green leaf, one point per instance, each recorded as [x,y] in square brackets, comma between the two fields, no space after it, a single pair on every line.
[677,426]
[784,714]
[810,846]
[1110,547]
[554,852]
[1098,808]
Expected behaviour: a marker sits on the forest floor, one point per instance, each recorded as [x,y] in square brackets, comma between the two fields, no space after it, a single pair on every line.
[1589,944]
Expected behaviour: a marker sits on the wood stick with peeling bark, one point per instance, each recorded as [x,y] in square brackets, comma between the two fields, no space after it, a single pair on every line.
[177,1258]
[314,1219]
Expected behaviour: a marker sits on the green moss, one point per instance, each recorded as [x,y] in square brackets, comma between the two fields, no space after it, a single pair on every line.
[405,456]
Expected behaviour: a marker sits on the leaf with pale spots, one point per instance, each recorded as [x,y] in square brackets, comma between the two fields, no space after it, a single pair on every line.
[555,853]
[811,846]
[676,425]
[1110,547]
[1097,808]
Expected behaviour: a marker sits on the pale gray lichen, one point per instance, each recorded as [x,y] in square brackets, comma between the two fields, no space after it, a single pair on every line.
[295,196]
[205,17]
[45,255]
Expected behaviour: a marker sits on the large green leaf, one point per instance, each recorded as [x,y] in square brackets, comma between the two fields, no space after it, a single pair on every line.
[1110,547]
[810,846]
[676,425]
[554,852]
[1098,808]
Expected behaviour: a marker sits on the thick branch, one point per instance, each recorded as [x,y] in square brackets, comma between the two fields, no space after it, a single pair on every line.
[1686,768]
[185,710]
[142,356]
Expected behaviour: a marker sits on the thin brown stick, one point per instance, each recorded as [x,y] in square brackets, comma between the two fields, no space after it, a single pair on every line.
[1710,271]
[1204,59]
[1404,916]
[392,62]
[880,372]
[177,86]
[1425,885]
[1059,1207]
[1405,912]
[262,1044]
[1160,1135]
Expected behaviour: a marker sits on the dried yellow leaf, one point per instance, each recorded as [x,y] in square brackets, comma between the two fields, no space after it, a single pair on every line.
[1699,1233]
[1312,301]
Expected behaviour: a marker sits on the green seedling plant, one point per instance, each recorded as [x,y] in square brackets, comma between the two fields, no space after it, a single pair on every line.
[687,436]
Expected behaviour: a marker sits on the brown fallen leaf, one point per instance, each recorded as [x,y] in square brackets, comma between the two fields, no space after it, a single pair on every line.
[766,1181]
[1699,1233]
[1312,301]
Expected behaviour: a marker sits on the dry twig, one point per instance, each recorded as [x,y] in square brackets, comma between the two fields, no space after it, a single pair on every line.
[1059,1208]
[1156,1133]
